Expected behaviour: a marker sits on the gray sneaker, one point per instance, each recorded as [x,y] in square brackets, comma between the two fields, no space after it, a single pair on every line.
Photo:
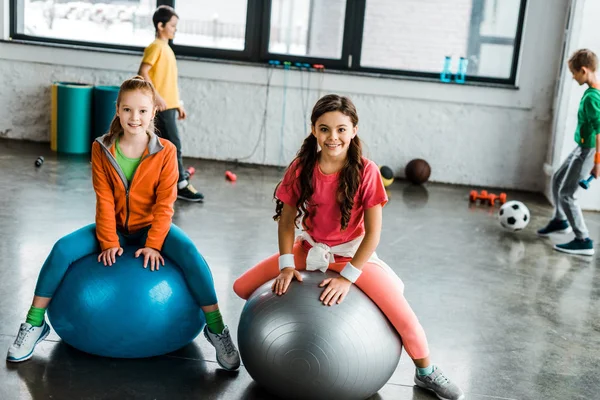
[439,384]
[27,338]
[227,355]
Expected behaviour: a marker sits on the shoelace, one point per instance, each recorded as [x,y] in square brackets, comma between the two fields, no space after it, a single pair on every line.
[441,379]
[21,336]
[226,342]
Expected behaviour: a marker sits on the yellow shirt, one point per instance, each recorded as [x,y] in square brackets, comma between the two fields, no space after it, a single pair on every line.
[163,73]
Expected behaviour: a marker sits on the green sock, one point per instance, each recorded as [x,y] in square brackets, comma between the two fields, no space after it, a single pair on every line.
[425,371]
[35,316]
[214,320]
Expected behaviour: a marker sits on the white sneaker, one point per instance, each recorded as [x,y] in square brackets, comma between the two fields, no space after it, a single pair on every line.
[29,336]
[439,384]
[227,355]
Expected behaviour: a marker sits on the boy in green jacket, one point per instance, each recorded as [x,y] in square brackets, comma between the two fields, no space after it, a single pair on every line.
[585,157]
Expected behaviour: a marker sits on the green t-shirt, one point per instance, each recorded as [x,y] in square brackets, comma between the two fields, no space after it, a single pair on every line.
[128,165]
[588,118]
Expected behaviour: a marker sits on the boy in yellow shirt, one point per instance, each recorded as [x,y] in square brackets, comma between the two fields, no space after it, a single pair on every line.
[160,67]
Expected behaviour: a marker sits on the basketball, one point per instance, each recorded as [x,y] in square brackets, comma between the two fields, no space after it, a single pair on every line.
[418,171]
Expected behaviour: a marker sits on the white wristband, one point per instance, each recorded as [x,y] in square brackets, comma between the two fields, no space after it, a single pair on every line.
[351,273]
[286,261]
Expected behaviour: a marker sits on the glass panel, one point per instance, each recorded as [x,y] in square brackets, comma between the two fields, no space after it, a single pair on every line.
[495,61]
[500,18]
[312,28]
[417,36]
[127,22]
[214,24]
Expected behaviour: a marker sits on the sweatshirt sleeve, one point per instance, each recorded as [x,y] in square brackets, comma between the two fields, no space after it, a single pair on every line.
[591,107]
[166,194]
[106,222]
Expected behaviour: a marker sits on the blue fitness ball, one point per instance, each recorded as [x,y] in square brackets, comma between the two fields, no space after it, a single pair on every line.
[125,311]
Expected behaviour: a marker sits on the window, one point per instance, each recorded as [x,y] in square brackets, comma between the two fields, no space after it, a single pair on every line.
[478,40]
[214,24]
[417,35]
[127,24]
[113,22]
[307,28]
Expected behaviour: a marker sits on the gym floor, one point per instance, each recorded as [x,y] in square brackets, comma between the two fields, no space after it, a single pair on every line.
[506,316]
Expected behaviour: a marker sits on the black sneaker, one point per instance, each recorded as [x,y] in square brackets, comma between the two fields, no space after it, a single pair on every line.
[188,193]
[555,226]
[577,246]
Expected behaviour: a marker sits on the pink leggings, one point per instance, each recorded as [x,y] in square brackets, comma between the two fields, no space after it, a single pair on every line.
[374,281]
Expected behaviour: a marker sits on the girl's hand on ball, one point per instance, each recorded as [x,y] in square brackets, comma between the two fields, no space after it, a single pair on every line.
[282,282]
[151,255]
[336,290]
[109,256]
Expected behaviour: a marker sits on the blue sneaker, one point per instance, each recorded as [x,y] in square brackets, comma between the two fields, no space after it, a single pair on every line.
[583,247]
[555,226]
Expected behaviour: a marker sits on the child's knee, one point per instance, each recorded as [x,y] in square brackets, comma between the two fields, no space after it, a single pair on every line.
[565,195]
[239,288]
[62,247]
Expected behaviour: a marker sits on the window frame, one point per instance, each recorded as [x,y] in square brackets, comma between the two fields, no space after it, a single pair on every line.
[258,20]
[254,8]
[435,76]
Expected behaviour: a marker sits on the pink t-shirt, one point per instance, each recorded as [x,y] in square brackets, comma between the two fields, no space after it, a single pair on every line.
[324,224]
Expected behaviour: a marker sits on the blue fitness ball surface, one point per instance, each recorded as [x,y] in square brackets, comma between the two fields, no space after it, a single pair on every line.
[125,311]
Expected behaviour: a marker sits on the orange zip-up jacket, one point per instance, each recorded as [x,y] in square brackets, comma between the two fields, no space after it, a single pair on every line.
[147,200]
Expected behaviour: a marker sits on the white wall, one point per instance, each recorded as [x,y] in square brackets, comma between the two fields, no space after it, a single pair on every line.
[584,32]
[470,135]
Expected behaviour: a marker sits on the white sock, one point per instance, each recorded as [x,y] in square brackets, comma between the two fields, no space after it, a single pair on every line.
[183,184]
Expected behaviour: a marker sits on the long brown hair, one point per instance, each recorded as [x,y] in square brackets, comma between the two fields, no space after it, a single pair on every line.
[130,85]
[307,157]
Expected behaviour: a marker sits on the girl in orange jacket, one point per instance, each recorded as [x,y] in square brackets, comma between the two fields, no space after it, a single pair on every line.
[135,175]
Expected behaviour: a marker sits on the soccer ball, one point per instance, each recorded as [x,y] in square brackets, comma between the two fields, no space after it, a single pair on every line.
[514,215]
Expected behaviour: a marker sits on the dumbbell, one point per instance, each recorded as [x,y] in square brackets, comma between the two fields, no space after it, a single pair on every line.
[484,196]
[230,176]
[500,198]
[585,183]
[474,196]
[189,172]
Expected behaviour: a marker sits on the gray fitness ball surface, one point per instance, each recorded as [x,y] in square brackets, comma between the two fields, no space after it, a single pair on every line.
[297,348]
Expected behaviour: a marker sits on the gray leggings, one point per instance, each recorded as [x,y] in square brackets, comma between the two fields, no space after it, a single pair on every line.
[565,183]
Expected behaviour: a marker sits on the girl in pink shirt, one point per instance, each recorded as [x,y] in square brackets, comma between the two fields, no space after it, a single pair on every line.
[338,196]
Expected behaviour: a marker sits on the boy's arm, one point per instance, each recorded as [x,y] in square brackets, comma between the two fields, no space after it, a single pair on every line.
[596,168]
[144,72]
[592,109]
